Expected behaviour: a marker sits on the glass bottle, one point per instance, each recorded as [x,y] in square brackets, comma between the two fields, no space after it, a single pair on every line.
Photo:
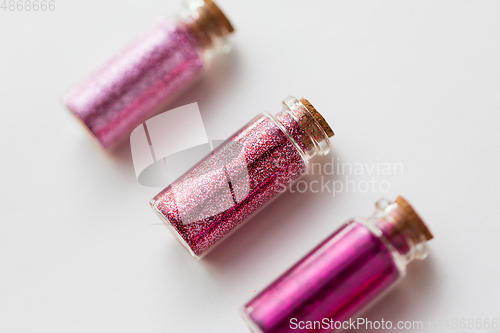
[152,69]
[343,274]
[241,175]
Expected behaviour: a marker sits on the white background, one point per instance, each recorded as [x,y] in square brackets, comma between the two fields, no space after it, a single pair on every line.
[411,82]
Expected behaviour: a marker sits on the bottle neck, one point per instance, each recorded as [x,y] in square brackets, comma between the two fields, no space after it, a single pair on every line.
[305,126]
[401,228]
[207,25]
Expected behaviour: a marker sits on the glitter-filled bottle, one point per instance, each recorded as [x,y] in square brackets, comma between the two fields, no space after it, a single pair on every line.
[241,175]
[343,274]
[152,69]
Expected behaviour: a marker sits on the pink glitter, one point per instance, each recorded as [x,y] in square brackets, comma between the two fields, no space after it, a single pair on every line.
[257,163]
[239,177]
[138,81]
[343,274]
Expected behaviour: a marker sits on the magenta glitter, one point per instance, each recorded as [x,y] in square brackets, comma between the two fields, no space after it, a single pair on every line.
[342,275]
[239,177]
[132,85]
[334,281]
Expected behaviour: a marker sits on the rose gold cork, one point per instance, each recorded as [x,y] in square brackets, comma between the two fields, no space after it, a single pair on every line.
[319,118]
[412,218]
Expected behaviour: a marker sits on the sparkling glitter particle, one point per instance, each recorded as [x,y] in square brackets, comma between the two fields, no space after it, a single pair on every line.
[232,183]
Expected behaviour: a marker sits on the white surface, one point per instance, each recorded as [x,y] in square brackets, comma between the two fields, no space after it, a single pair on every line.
[411,82]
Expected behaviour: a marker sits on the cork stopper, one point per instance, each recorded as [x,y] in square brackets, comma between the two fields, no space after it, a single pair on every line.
[208,23]
[318,117]
[217,13]
[412,219]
